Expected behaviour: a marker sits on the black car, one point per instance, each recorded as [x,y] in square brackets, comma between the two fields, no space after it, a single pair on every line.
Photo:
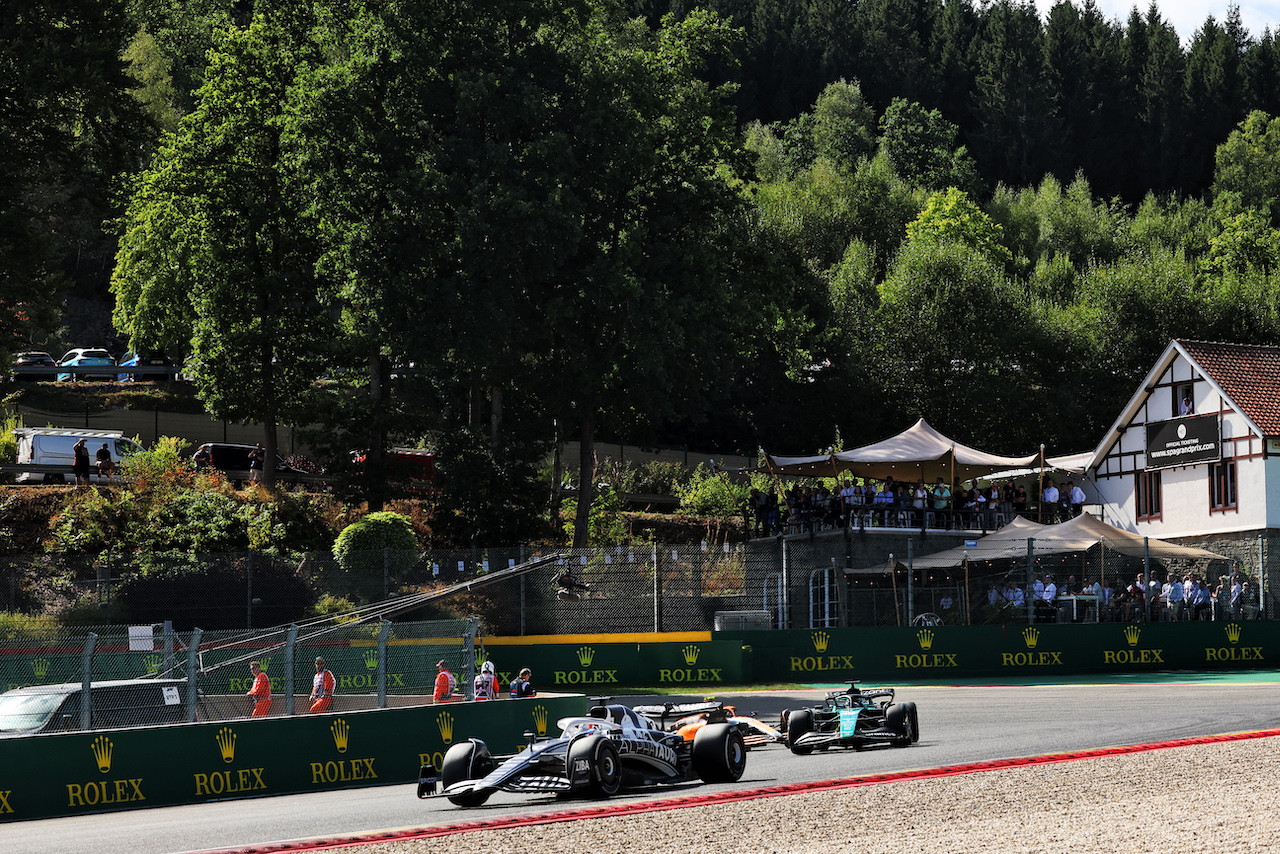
[153,362]
[30,361]
[114,704]
[233,460]
[852,718]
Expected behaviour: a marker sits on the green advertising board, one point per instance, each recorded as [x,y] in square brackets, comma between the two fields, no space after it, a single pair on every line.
[957,652]
[72,774]
[599,664]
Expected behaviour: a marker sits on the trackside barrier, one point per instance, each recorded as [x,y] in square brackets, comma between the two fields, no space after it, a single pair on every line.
[596,664]
[73,774]
[959,652]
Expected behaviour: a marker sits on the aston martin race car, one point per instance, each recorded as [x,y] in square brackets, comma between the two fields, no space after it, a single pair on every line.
[688,719]
[852,718]
[612,749]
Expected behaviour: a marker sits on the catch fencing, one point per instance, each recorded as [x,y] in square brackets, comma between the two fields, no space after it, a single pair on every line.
[798,582]
[206,676]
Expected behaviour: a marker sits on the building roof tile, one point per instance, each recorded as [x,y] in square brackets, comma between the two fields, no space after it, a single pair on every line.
[1248,373]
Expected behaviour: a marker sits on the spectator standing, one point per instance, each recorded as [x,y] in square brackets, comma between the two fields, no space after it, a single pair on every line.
[322,688]
[261,690]
[445,683]
[522,685]
[1135,604]
[1176,599]
[255,463]
[1019,502]
[486,683]
[80,463]
[1049,504]
[1075,499]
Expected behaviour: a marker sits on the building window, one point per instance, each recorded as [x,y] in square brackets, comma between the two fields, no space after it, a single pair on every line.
[824,599]
[1183,401]
[1222,486]
[1147,494]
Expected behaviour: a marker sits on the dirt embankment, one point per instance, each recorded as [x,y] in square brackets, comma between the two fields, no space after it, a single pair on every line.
[26,513]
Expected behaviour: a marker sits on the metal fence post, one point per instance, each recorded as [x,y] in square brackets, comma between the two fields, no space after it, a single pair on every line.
[382,663]
[193,672]
[86,682]
[290,644]
[168,647]
[386,572]
[911,582]
[469,659]
[784,595]
[248,598]
[657,592]
[1031,580]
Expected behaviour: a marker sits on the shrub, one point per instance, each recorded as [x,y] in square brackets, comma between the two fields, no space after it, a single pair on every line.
[712,494]
[360,550]
[163,468]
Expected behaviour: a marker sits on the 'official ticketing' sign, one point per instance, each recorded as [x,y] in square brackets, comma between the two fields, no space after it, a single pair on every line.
[1184,441]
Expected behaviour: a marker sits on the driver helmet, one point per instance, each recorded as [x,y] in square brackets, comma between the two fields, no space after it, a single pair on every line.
[487,667]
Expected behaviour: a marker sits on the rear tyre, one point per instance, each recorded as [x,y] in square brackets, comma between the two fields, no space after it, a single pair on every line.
[799,723]
[898,719]
[594,766]
[915,722]
[469,760]
[719,754]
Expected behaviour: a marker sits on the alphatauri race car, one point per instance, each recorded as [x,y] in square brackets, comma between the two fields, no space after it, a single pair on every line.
[688,719]
[852,718]
[612,749]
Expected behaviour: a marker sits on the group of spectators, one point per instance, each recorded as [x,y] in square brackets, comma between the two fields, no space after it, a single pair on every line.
[1176,598]
[901,504]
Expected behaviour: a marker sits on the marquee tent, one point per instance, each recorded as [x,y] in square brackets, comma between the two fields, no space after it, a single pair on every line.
[918,453]
[1075,535]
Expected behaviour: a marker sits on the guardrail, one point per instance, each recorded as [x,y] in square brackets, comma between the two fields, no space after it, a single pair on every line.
[67,473]
[50,372]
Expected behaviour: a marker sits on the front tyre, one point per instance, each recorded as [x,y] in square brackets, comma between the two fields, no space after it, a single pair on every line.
[898,719]
[915,722]
[799,724]
[719,754]
[594,766]
[468,760]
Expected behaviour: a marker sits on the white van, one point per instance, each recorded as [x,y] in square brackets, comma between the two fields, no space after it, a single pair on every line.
[52,446]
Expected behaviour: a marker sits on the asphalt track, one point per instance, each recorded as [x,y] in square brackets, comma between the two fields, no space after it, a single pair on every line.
[959,725]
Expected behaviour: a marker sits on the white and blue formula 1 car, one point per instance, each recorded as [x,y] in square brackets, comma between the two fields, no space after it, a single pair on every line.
[612,749]
[852,718]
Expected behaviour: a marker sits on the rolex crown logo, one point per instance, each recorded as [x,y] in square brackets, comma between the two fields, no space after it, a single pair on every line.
[1131,634]
[585,655]
[264,663]
[1031,636]
[445,721]
[371,659]
[152,663]
[540,720]
[926,638]
[102,752]
[691,654]
[820,641]
[341,732]
[226,743]
[40,667]
[1233,632]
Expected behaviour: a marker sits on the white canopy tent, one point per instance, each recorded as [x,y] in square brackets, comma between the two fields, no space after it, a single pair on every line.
[1075,535]
[918,453]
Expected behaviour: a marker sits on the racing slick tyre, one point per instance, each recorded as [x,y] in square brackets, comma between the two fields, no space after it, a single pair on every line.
[719,754]
[468,760]
[915,722]
[594,766]
[898,719]
[799,723]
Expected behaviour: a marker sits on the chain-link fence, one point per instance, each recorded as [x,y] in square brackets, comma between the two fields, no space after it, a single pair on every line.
[800,582]
[139,675]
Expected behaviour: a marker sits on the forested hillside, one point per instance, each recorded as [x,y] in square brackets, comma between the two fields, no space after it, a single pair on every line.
[778,223]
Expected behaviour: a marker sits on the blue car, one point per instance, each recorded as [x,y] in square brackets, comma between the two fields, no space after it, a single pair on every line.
[146,360]
[82,357]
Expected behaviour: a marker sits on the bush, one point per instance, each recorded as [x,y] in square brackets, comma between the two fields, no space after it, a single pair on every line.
[163,468]
[360,550]
[712,494]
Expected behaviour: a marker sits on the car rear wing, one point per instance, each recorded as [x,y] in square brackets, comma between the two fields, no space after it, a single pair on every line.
[671,712]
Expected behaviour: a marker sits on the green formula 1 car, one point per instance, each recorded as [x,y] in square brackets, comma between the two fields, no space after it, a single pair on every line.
[852,718]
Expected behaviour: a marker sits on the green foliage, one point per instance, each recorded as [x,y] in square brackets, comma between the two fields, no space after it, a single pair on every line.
[921,145]
[655,477]
[606,526]
[9,442]
[950,216]
[372,551]
[843,126]
[14,626]
[92,521]
[1248,164]
[163,468]
[712,494]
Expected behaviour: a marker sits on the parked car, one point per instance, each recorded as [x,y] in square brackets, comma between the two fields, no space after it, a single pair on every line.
[233,461]
[410,469]
[147,360]
[87,357]
[115,704]
[35,359]
[52,446]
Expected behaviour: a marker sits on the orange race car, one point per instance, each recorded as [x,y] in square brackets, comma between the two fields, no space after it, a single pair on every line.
[687,718]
